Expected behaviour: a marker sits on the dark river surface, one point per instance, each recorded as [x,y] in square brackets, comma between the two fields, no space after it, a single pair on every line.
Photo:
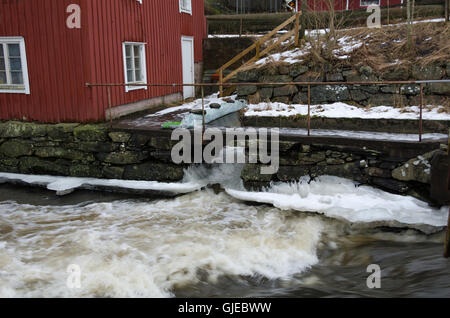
[203,245]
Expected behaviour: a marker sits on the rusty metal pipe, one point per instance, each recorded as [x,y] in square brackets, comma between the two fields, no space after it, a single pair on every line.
[229,84]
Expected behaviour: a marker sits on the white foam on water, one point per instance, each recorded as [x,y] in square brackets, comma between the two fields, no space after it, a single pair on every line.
[65,185]
[343,199]
[146,249]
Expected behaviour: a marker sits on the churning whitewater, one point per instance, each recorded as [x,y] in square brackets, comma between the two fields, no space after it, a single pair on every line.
[159,248]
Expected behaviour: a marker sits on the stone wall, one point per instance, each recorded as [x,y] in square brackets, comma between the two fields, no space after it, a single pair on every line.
[364,95]
[396,168]
[418,169]
[85,151]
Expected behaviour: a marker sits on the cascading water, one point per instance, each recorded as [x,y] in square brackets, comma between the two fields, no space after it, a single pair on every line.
[207,244]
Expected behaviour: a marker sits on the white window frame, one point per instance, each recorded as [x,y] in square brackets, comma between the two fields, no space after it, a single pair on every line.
[189,9]
[363,4]
[15,88]
[143,66]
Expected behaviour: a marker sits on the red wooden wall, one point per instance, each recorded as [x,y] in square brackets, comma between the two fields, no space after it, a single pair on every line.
[61,60]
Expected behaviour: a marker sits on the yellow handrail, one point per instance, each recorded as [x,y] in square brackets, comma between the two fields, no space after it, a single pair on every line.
[256,46]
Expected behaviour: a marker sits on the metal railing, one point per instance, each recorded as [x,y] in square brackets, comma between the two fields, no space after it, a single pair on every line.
[308,84]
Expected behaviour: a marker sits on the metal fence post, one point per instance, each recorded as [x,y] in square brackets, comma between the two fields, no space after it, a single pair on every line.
[309,110]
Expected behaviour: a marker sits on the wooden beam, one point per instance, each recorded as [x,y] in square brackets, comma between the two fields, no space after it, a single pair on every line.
[297,29]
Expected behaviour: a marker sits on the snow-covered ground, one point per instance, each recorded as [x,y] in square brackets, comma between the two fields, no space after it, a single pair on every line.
[342,110]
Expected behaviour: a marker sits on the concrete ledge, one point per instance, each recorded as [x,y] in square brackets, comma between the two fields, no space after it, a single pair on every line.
[405,126]
[123,110]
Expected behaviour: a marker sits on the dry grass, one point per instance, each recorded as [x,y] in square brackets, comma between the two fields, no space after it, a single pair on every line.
[382,48]
[388,46]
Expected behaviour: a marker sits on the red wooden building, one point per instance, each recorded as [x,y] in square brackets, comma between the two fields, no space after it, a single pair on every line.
[50,49]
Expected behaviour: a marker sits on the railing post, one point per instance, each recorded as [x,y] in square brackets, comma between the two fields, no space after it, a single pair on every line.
[203,108]
[297,29]
[110,104]
[221,82]
[447,236]
[309,110]
[421,113]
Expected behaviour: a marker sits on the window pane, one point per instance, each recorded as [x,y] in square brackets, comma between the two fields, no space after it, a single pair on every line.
[129,63]
[14,50]
[2,64]
[136,51]
[15,64]
[128,50]
[138,76]
[1,50]
[17,77]
[137,63]
[130,78]
[2,77]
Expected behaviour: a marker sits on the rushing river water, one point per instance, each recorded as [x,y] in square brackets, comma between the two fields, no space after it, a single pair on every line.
[203,245]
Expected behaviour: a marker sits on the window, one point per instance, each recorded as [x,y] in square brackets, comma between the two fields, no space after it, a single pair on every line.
[13,66]
[186,6]
[134,65]
[366,3]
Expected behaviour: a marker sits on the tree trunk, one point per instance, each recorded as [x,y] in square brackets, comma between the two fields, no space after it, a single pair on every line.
[408,12]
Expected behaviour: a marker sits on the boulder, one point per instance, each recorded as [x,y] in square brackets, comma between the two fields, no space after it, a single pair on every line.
[291,173]
[91,132]
[14,129]
[287,90]
[154,172]
[410,89]
[440,88]
[298,70]
[417,169]
[336,77]
[431,72]
[122,158]
[388,100]
[358,95]
[85,171]
[252,172]
[61,132]
[34,165]
[95,146]
[246,90]
[15,149]
[265,93]
[395,73]
[60,153]
[111,172]
[274,79]
[119,136]
[248,76]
